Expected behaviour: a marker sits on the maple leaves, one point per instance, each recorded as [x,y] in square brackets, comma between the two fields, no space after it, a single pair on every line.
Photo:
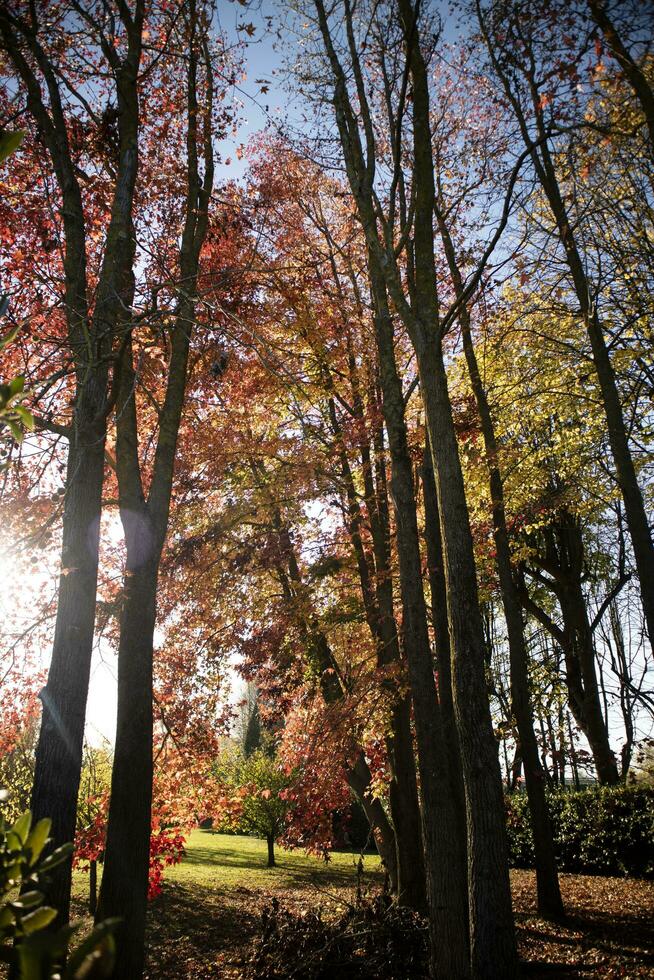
[175,812]
[166,845]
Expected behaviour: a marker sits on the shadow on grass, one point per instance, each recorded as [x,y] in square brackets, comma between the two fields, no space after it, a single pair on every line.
[293,868]
[189,929]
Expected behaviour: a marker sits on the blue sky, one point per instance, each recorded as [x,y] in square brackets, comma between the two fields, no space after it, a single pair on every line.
[264,54]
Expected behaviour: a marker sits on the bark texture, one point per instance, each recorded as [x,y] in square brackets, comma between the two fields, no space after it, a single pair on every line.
[550,902]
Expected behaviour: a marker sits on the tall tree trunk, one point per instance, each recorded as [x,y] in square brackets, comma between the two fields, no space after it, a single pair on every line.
[270,840]
[493,951]
[492,938]
[58,762]
[403,789]
[438,594]
[547,880]
[145,523]
[124,887]
[444,854]
[405,809]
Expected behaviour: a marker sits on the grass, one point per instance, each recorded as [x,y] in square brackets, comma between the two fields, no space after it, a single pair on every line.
[226,862]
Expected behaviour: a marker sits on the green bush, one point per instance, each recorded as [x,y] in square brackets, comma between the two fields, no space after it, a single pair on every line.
[606,830]
[27,944]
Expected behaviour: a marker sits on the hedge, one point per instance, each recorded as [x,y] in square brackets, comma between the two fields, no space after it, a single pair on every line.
[607,830]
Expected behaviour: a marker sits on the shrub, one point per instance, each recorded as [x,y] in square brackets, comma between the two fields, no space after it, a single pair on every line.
[372,940]
[606,830]
[32,950]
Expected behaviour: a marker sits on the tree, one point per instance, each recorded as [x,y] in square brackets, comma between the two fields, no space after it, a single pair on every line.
[260,783]
[522,52]
[38,56]
[144,516]
[418,306]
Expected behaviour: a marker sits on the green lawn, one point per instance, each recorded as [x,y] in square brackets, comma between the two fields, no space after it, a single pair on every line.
[226,862]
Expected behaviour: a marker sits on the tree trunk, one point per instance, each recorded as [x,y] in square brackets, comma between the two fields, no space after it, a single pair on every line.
[563,559]
[93,887]
[59,750]
[358,779]
[271,851]
[550,902]
[493,949]
[438,594]
[582,681]
[405,810]
[492,937]
[145,523]
[403,789]
[124,887]
[444,854]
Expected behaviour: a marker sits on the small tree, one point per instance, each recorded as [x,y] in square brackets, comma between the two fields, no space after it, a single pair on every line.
[259,782]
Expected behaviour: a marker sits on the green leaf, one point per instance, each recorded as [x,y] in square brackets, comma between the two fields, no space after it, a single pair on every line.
[9,337]
[38,920]
[16,430]
[27,901]
[25,416]
[16,386]
[37,839]
[22,826]
[13,873]
[56,858]
[10,142]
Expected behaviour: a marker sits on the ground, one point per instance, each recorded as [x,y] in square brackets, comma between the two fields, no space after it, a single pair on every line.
[204,923]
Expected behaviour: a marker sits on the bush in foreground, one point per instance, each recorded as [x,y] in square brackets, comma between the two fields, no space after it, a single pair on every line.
[27,945]
[371,940]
